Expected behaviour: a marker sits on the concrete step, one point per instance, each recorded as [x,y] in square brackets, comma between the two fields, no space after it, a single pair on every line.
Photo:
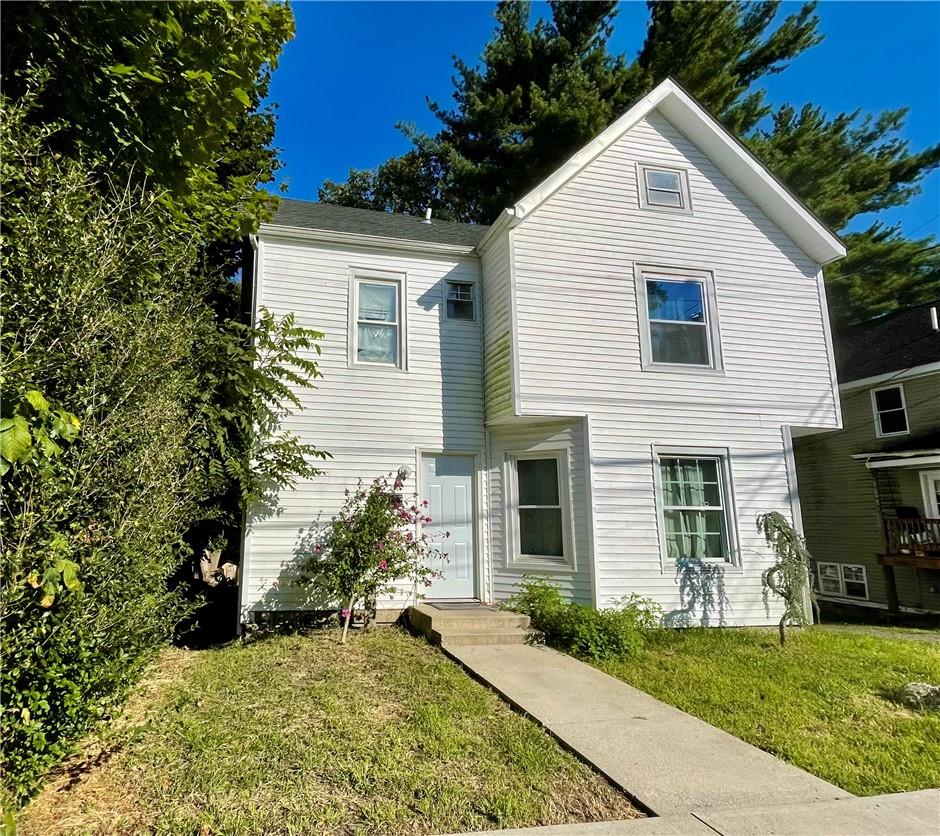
[465,638]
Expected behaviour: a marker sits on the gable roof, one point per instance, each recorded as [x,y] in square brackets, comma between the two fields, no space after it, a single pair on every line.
[303,214]
[735,161]
[896,341]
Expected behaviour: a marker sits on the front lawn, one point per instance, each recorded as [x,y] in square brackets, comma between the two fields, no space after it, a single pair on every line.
[824,702]
[296,734]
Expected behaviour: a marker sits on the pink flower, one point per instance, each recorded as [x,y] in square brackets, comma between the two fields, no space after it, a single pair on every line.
[383,565]
[424,503]
[344,612]
[275,584]
[318,549]
[447,534]
[380,546]
[409,536]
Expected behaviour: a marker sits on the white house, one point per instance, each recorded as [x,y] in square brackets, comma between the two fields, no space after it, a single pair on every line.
[600,387]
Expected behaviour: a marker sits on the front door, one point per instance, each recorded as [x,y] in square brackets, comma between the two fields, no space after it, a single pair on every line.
[447,484]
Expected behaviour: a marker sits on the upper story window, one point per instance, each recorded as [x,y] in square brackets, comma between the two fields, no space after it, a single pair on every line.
[694,507]
[460,301]
[679,327]
[664,188]
[377,335]
[890,411]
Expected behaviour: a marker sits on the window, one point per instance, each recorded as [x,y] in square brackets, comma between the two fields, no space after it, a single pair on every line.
[540,525]
[460,301]
[842,580]
[377,335]
[890,411]
[678,308]
[663,188]
[694,508]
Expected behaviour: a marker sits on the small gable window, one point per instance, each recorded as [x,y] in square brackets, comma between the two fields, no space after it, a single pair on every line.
[664,188]
[890,411]
[460,302]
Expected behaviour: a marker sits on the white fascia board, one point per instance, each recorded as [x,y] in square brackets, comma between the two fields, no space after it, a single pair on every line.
[906,461]
[329,236]
[734,160]
[507,220]
[905,374]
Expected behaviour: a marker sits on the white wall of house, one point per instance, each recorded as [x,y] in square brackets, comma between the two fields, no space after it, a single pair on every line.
[578,351]
[372,419]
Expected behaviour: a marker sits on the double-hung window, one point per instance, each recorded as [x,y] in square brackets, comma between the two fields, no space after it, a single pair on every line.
[540,525]
[663,188]
[378,325]
[677,318]
[890,411]
[695,507]
[842,580]
[459,301]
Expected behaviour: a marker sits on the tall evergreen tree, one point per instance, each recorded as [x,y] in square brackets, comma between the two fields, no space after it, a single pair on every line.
[542,91]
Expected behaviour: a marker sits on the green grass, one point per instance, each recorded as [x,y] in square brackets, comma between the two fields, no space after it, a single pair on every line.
[824,702]
[297,734]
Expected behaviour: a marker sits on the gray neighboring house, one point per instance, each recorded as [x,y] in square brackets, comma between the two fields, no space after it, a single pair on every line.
[870,493]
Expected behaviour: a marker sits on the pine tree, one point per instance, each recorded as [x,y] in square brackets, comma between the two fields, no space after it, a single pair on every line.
[542,91]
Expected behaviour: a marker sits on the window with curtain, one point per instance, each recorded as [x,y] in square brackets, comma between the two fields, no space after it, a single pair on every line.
[694,508]
[678,322]
[540,515]
[378,324]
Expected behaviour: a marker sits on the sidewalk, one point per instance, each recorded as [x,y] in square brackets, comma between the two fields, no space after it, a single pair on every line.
[667,761]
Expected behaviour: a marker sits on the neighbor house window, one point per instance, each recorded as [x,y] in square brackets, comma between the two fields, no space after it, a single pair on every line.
[679,327]
[377,336]
[540,500]
[460,302]
[694,507]
[890,411]
[842,580]
[664,188]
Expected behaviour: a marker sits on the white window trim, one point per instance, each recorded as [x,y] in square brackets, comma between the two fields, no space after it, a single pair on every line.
[840,571]
[474,300]
[514,556]
[877,414]
[644,272]
[931,508]
[360,275]
[642,168]
[726,486]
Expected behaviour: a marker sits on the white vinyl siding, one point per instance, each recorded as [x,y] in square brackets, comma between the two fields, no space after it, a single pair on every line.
[370,420]
[579,343]
[890,411]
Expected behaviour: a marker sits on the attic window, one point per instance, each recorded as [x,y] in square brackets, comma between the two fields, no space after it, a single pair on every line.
[664,188]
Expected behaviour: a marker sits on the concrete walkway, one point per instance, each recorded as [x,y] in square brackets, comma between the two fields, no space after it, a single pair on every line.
[903,814]
[666,760]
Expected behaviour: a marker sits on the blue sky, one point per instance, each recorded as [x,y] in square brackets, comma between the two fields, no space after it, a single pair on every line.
[355,69]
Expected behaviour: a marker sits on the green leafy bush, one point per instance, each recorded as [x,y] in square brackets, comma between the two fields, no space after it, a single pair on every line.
[614,633]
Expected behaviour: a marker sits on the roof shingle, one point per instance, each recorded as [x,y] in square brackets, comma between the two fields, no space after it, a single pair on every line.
[308,215]
[893,342]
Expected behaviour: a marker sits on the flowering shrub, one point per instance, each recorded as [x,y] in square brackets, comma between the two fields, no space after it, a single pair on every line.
[374,542]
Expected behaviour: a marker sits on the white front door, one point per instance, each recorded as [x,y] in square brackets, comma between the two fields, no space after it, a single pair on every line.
[447,484]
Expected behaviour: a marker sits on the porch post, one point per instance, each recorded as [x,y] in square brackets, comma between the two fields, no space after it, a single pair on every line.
[891,589]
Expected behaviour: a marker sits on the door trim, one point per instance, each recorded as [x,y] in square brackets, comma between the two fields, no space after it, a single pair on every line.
[479,579]
[930,502]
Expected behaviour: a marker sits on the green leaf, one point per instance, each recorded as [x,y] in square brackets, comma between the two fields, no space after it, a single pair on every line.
[15,438]
[150,76]
[242,96]
[36,400]
[70,575]
[120,69]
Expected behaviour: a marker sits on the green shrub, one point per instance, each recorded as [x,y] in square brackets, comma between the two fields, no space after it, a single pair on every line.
[614,633]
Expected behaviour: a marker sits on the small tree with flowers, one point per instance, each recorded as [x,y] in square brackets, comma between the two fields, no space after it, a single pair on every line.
[373,544]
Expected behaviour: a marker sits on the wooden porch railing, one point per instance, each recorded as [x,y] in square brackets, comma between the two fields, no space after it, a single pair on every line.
[917,536]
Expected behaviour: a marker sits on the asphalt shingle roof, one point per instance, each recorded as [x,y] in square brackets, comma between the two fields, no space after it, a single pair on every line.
[889,343]
[308,215]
